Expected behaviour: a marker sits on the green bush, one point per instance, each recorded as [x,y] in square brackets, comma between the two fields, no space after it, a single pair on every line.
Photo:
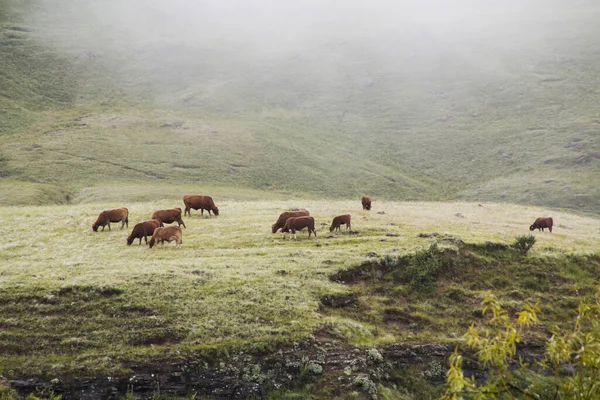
[423,269]
[524,243]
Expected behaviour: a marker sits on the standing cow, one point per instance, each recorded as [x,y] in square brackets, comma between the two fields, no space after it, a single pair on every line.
[168,234]
[366,203]
[294,224]
[197,201]
[169,216]
[542,223]
[284,216]
[143,230]
[338,221]
[112,215]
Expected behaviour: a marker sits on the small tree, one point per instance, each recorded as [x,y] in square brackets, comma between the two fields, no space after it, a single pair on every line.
[512,378]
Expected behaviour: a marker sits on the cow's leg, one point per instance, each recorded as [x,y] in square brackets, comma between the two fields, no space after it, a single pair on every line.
[109,226]
[550,229]
[103,228]
[140,243]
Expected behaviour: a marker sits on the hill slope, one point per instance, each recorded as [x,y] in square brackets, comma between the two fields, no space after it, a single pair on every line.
[504,111]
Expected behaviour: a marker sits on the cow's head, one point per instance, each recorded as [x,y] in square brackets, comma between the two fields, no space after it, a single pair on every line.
[129,240]
[216,211]
[95,227]
[532,227]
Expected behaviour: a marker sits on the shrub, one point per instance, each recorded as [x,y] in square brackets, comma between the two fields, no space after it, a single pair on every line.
[422,270]
[524,243]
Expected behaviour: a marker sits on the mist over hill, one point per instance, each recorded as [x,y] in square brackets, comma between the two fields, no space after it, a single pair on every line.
[401,100]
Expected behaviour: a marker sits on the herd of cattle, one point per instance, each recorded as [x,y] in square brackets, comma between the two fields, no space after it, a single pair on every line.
[288,221]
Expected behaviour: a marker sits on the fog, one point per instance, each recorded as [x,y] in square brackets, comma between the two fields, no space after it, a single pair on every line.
[174,44]
[270,25]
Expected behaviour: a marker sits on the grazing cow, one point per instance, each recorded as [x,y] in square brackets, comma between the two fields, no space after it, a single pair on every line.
[294,224]
[339,220]
[168,234]
[197,201]
[542,223]
[283,217]
[169,216]
[142,230]
[112,215]
[366,202]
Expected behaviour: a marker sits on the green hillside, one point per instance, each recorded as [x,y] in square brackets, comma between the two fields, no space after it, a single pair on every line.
[506,112]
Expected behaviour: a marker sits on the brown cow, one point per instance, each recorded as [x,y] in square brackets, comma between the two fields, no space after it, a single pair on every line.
[366,203]
[542,223]
[142,230]
[112,215]
[283,217]
[339,220]
[294,224]
[168,234]
[169,216]
[197,201]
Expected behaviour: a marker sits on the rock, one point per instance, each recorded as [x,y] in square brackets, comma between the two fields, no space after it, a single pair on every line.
[371,254]
[339,300]
[428,235]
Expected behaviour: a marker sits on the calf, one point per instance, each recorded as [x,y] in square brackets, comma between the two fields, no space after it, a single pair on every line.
[339,220]
[366,203]
[197,201]
[542,223]
[284,216]
[142,230]
[294,224]
[169,216]
[112,215]
[168,234]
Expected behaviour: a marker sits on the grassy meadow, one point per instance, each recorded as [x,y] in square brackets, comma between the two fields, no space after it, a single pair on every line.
[79,303]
